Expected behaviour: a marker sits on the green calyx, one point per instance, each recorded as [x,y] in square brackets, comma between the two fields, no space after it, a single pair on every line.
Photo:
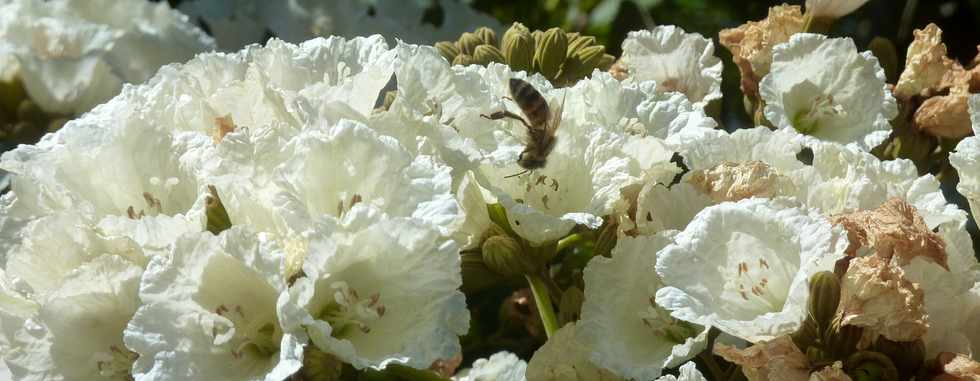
[564,58]
[21,120]
[217,217]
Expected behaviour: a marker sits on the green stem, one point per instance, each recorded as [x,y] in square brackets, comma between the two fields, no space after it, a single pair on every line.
[709,360]
[569,241]
[542,298]
[408,373]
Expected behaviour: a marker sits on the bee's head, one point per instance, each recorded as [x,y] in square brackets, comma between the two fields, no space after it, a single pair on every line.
[515,84]
[528,160]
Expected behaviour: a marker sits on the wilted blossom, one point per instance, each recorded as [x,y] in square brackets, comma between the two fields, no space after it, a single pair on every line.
[74,55]
[752,43]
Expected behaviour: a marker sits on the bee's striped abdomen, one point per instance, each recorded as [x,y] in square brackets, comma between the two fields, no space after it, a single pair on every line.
[531,102]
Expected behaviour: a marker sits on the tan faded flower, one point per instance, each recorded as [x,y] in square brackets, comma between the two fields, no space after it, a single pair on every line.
[876,295]
[730,181]
[833,372]
[893,230]
[929,71]
[751,43]
[775,360]
[960,367]
[926,63]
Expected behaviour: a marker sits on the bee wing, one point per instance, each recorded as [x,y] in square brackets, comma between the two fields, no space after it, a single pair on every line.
[556,116]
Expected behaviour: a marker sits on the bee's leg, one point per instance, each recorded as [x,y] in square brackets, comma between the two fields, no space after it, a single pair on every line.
[506,114]
[518,173]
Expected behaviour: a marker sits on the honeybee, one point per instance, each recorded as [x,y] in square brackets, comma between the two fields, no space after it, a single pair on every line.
[541,123]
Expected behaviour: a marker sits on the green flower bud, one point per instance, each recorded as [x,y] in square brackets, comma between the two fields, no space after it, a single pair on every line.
[464,59]
[498,215]
[505,256]
[908,356]
[518,47]
[816,355]
[56,124]
[607,61]
[582,63]
[824,298]
[468,42]
[808,335]
[476,275]
[867,365]
[550,52]
[320,366]
[606,240]
[217,216]
[22,132]
[841,341]
[448,50]
[11,94]
[486,54]
[579,43]
[884,50]
[28,111]
[570,306]
[487,35]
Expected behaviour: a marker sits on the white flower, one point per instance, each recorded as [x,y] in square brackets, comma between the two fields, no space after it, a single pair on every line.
[676,60]
[77,333]
[600,145]
[73,55]
[832,9]
[501,366]
[564,357]
[379,291]
[743,267]
[688,372]
[627,332]
[209,312]
[966,160]
[823,88]
[248,21]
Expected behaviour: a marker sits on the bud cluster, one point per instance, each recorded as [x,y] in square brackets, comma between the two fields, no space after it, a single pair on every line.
[562,57]
[21,120]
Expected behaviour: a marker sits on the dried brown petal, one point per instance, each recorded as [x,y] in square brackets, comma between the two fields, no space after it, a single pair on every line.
[778,359]
[895,229]
[876,295]
[833,372]
[945,116]
[751,43]
[926,64]
[736,181]
[224,125]
[961,367]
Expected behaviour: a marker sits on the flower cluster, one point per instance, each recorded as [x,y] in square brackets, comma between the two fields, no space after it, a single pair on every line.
[349,208]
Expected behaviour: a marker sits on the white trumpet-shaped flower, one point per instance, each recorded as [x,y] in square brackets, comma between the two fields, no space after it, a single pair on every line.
[77,332]
[500,366]
[623,325]
[825,89]
[966,160]
[675,60]
[379,291]
[743,267]
[832,8]
[74,55]
[209,312]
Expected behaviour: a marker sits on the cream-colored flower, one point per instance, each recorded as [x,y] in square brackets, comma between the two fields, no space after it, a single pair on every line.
[823,88]
[77,332]
[770,360]
[502,366]
[743,267]
[927,67]
[676,60]
[379,291]
[73,55]
[832,9]
[564,357]
[209,312]
[622,324]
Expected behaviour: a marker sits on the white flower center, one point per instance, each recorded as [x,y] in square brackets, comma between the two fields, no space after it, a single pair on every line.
[759,277]
[116,363]
[348,311]
[663,325]
[821,108]
[249,333]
